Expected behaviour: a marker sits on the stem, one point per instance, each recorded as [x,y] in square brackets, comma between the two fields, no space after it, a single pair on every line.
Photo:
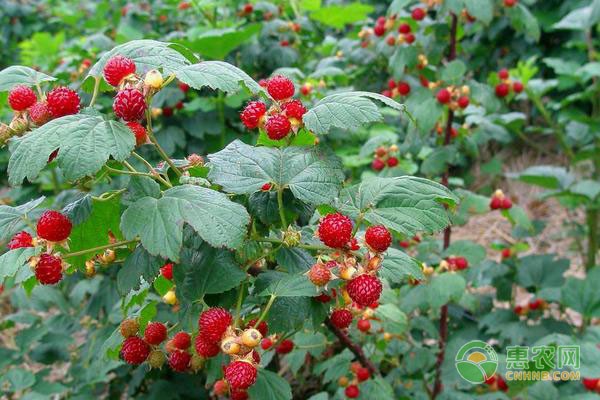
[302,246]
[100,248]
[124,172]
[55,184]
[353,347]
[96,90]
[152,170]
[280,206]
[357,223]
[39,90]
[266,310]
[155,143]
[592,224]
[238,306]
[168,80]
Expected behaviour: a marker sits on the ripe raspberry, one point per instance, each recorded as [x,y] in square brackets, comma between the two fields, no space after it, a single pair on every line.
[130,105]
[377,164]
[387,93]
[378,238]
[352,392]
[266,187]
[180,360]
[404,28]
[117,68]
[590,384]
[335,230]
[392,162]
[506,203]
[285,346]
[40,113]
[362,374]
[213,323]
[364,289]
[363,325]
[517,87]
[506,253]
[252,113]
[135,351]
[138,131]
[418,14]
[54,226]
[156,359]
[183,87]
[319,274]
[391,40]
[294,109]
[167,112]
[48,270]
[239,395]
[518,310]
[179,105]
[379,30]
[380,20]
[266,344]
[354,246]
[240,375]
[263,83]
[53,155]
[501,383]
[63,101]
[248,8]
[403,88]
[21,239]
[129,327]
[262,327]
[341,318]
[391,84]
[280,87]
[255,357]
[409,38]
[221,388]
[277,127]
[461,263]
[443,96]
[182,340]
[510,3]
[206,348]
[167,271]
[496,203]
[537,303]
[502,90]
[503,74]
[155,333]
[463,102]
[21,98]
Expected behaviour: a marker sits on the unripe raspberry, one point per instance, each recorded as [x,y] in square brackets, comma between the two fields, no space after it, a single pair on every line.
[252,114]
[170,297]
[352,392]
[319,274]
[364,289]
[266,344]
[54,226]
[117,69]
[40,113]
[129,105]
[156,359]
[403,88]
[343,381]
[418,14]
[179,360]
[182,340]
[335,230]
[392,162]
[463,101]
[378,164]
[378,238]
[502,90]
[230,346]
[443,96]
[129,327]
[294,109]
[49,269]
[21,239]
[206,348]
[251,337]
[404,28]
[362,374]
[213,323]
[154,79]
[306,89]
[155,333]
[277,126]
[517,87]
[391,40]
[262,327]
[363,325]
[221,388]
[285,346]
[239,395]
[240,375]
[341,318]
[138,131]
[21,98]
[135,351]
[280,87]
[167,271]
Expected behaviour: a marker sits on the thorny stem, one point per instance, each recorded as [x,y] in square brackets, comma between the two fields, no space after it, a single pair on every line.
[152,170]
[266,310]
[280,206]
[100,248]
[353,347]
[155,143]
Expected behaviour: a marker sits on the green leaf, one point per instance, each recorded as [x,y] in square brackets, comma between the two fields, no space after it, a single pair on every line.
[338,16]
[541,271]
[483,10]
[437,161]
[13,260]
[394,320]
[218,43]
[523,20]
[445,288]
[86,142]
[281,284]
[12,218]
[349,110]
[546,176]
[312,176]
[159,222]
[427,113]
[582,295]
[19,75]
[294,260]
[139,264]
[18,379]
[270,385]
[587,188]
[454,71]
[578,19]
[218,75]
[473,252]
[397,266]
[289,313]
[380,386]
[404,56]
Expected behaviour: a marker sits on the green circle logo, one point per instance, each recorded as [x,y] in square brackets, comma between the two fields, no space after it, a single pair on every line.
[476,361]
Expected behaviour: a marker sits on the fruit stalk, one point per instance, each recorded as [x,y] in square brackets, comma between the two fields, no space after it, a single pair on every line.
[353,347]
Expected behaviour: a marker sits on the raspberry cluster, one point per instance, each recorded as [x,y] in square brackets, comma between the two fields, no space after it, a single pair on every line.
[534,305]
[496,382]
[454,97]
[506,84]
[396,89]
[500,201]
[385,157]
[359,374]
[398,32]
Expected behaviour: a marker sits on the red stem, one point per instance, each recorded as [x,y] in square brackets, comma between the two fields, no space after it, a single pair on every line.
[354,348]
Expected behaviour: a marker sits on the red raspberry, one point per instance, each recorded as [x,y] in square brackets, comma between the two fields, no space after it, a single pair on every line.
[424,81]
[266,344]
[364,289]
[352,392]
[278,127]
[496,203]
[409,38]
[377,164]
[180,360]
[517,87]
[21,239]
[183,87]
[387,93]
[502,90]
[252,113]
[263,83]
[391,40]
[403,88]
[54,226]
[506,253]
[179,105]
[221,388]
[49,270]
[418,14]
[40,113]
[518,310]
[335,230]
[391,84]
[490,380]
[380,21]
[213,323]
[240,375]
[506,203]
[363,325]
[21,98]
[239,395]
[461,263]
[379,30]
[167,271]
[53,155]
[284,43]
[262,327]
[510,3]
[501,383]
[248,8]
[266,187]
[392,162]
[63,101]
[590,384]
[443,96]
[294,109]
[184,5]
[134,350]
[206,348]
[285,346]
[341,318]
[155,333]
[362,374]
[537,303]
[117,68]
[280,87]
[182,340]
[354,246]
[503,74]
[255,357]
[138,131]
[130,105]
[463,101]
[404,28]
[378,238]
[319,274]
[167,111]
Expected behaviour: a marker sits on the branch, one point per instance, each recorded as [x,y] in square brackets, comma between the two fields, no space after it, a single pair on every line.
[354,348]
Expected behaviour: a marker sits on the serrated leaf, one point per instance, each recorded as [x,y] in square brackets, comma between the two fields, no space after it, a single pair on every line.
[445,288]
[12,261]
[546,176]
[454,71]
[338,16]
[289,313]
[483,10]
[19,75]
[217,43]
[397,266]
[541,271]
[86,141]
[12,218]
[404,56]
[270,386]
[139,264]
[218,75]
[285,285]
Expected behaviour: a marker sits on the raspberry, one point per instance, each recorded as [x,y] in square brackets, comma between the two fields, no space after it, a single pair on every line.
[48,270]
[156,359]
[463,101]
[403,88]
[183,87]
[206,348]
[117,68]
[129,327]
[517,87]
[221,388]
[387,93]
[341,318]
[377,164]
[500,382]
[285,346]
[40,113]
[135,351]
[255,357]
[502,90]
[52,155]
[404,28]
[182,340]
[155,333]
[138,131]
[506,253]
[352,392]
[252,114]
[21,239]
[362,374]
[461,263]
[278,127]
[537,303]
[354,246]
[335,230]
[179,105]
[213,323]
[184,5]
[239,395]
[379,30]
[319,274]
[266,187]
[248,8]
[364,289]
[167,271]
[503,74]
[263,83]
[240,375]
[54,226]
[363,325]
[378,238]
[21,98]
[266,344]
[443,96]
[590,384]
[130,105]
[391,84]
[496,203]
[294,109]
[506,203]
[262,327]
[510,3]
[180,360]
[280,87]
[418,14]
[167,111]
[410,38]
[380,21]
[392,162]
[63,101]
